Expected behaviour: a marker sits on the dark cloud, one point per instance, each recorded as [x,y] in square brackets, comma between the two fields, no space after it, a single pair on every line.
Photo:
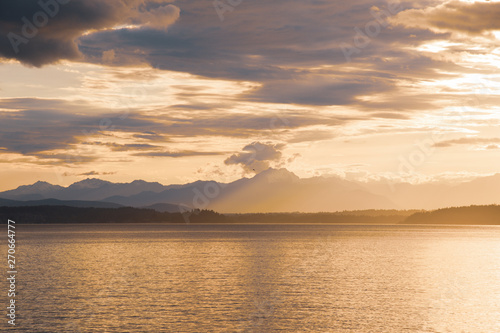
[278,45]
[291,50]
[95,173]
[318,91]
[45,125]
[42,32]
[28,132]
[151,136]
[257,156]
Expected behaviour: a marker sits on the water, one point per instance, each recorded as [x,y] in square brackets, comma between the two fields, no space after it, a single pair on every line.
[257,278]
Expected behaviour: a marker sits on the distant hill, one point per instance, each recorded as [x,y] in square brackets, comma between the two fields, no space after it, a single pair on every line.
[380,212]
[166,207]
[68,215]
[353,217]
[487,215]
[55,202]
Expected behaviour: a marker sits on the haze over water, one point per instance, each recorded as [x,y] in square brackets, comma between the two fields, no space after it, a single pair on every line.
[258,278]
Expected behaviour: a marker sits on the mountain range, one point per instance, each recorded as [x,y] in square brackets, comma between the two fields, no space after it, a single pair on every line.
[273,190]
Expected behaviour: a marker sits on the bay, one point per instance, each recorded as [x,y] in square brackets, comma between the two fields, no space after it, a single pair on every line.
[256,278]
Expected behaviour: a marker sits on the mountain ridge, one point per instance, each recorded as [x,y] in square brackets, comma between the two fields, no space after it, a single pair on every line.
[273,190]
[56,202]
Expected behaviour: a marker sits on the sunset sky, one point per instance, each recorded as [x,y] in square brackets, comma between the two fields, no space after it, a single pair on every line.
[176,91]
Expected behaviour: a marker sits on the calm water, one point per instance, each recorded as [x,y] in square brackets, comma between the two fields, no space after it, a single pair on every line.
[257,278]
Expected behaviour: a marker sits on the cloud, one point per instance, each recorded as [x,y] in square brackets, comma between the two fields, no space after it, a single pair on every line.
[125,147]
[316,90]
[453,16]
[159,18]
[42,126]
[389,115]
[67,158]
[257,156]
[311,135]
[182,153]
[95,173]
[241,125]
[151,136]
[492,147]
[108,56]
[45,125]
[468,141]
[43,32]
[292,52]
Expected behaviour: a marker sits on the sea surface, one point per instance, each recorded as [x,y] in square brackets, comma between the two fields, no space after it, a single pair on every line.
[255,278]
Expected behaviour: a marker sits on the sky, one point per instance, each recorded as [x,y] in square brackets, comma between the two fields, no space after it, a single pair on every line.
[176,91]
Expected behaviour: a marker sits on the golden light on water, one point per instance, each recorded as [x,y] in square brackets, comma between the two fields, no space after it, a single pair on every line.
[197,278]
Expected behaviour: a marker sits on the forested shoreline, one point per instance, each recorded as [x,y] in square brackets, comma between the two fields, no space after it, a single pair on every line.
[488,215]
